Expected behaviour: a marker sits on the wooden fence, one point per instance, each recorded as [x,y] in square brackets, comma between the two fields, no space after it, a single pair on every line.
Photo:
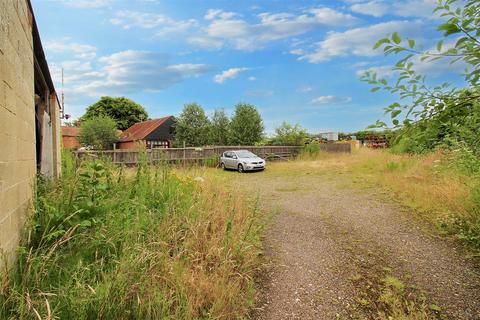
[131,156]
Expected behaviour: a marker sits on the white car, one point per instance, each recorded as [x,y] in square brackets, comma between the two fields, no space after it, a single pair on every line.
[241,160]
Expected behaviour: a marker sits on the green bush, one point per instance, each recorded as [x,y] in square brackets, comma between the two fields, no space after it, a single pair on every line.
[292,135]
[98,133]
[312,148]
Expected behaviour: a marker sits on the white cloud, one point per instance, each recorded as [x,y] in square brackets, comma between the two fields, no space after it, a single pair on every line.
[65,45]
[219,14]
[298,52]
[331,100]
[304,89]
[415,8]
[358,41]
[252,78]
[74,70]
[374,8]
[381,71]
[205,42]
[87,4]
[229,28]
[135,71]
[433,68]
[403,8]
[228,74]
[163,25]
[123,73]
[331,17]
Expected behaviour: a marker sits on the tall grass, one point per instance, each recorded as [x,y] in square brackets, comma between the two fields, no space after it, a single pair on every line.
[107,244]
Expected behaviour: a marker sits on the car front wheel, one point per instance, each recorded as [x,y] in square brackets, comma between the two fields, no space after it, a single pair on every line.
[240,168]
[222,165]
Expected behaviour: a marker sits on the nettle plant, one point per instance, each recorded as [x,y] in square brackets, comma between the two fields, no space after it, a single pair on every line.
[423,101]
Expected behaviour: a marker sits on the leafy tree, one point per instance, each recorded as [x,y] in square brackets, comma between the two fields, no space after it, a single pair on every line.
[220,128]
[429,115]
[99,133]
[246,127]
[454,125]
[192,126]
[425,101]
[124,111]
[288,134]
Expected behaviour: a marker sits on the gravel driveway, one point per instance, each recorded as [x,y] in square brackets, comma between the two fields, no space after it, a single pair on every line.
[330,245]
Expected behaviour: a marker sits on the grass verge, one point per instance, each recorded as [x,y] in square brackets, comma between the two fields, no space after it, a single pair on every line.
[108,244]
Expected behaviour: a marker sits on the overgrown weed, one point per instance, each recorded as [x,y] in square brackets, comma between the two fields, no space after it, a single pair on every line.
[106,243]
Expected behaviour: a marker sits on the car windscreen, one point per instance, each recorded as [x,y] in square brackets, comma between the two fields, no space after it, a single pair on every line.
[245,154]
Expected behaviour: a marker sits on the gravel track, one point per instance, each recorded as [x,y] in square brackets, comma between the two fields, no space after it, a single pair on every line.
[324,235]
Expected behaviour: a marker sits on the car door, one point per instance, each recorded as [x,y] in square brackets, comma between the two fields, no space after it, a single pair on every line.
[223,158]
[234,160]
[228,159]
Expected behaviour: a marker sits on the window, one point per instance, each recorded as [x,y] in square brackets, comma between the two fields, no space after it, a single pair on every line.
[156,144]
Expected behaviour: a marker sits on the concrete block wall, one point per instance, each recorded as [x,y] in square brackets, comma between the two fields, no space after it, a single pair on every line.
[17,121]
[57,135]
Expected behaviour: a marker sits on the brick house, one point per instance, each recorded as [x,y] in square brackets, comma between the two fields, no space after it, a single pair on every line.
[70,137]
[29,119]
[151,134]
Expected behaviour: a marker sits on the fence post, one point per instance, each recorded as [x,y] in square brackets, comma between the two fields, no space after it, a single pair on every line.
[184,153]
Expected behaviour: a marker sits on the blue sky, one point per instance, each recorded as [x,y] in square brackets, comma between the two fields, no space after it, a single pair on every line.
[297,61]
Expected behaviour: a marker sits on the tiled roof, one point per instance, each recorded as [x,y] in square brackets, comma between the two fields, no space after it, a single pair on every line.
[70,131]
[142,129]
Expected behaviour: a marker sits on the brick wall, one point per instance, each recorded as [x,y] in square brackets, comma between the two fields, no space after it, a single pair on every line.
[131,145]
[17,121]
[70,142]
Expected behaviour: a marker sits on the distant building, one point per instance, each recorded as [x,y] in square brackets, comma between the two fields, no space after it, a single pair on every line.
[329,136]
[70,137]
[29,120]
[151,134]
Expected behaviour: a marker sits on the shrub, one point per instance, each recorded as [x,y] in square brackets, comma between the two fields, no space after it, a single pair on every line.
[99,133]
[287,134]
[312,148]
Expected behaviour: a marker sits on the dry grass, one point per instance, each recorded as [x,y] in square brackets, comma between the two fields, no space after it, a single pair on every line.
[423,182]
[159,245]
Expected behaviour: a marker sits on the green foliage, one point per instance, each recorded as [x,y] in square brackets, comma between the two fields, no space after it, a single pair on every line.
[392,165]
[363,134]
[148,244]
[212,162]
[456,124]
[287,134]
[424,101]
[246,127]
[193,126]
[440,116]
[312,148]
[99,132]
[220,128]
[124,111]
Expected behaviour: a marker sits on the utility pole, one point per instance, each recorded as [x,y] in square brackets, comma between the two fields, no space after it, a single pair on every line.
[63,93]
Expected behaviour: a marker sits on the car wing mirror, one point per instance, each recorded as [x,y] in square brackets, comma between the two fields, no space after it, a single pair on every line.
[235,157]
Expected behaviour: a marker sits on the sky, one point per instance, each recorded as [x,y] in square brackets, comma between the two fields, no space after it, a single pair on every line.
[296,61]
